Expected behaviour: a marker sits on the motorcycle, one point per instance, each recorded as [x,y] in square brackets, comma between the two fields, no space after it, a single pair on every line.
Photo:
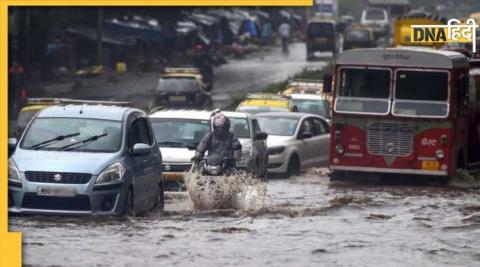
[211,183]
[215,165]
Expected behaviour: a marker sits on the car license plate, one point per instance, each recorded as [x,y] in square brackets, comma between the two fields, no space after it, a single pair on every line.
[55,191]
[320,40]
[177,98]
[430,165]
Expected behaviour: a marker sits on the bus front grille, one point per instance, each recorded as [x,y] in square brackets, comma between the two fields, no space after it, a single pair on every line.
[390,139]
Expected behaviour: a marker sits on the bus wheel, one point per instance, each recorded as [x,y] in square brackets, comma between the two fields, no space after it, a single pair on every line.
[337,176]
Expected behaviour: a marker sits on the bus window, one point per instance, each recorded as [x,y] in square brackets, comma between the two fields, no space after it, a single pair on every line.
[421,93]
[363,91]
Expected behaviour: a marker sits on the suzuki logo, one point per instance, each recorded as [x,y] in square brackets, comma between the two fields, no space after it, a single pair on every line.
[57,177]
[167,167]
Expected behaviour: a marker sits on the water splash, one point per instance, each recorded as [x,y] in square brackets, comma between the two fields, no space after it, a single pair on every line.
[464,179]
[238,191]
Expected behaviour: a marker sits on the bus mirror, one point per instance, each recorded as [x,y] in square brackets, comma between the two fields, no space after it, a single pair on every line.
[327,83]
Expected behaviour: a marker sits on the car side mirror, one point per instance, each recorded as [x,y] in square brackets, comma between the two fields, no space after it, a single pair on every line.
[327,83]
[140,149]
[305,135]
[12,142]
[261,136]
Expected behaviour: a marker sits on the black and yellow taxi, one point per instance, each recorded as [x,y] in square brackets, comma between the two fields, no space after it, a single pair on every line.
[181,87]
[358,37]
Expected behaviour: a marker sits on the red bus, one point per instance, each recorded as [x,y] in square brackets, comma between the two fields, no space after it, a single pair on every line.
[400,111]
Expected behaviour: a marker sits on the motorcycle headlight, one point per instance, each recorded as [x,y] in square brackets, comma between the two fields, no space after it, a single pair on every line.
[213,170]
[111,175]
[13,173]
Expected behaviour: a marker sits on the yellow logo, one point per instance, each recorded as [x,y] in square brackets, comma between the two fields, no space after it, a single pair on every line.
[454,32]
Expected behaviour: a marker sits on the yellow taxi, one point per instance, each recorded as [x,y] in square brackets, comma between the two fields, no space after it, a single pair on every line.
[259,103]
[306,86]
[181,87]
[33,106]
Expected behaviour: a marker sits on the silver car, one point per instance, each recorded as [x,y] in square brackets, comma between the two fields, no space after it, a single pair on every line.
[254,147]
[296,141]
[86,159]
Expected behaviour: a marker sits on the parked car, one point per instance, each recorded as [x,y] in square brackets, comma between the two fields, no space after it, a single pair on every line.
[358,37]
[181,87]
[254,146]
[178,132]
[258,103]
[321,36]
[313,104]
[296,141]
[377,19]
[86,159]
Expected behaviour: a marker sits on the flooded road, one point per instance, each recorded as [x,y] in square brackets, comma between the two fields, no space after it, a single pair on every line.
[306,221]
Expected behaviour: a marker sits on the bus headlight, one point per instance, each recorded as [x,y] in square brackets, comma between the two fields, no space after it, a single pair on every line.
[439,154]
[339,149]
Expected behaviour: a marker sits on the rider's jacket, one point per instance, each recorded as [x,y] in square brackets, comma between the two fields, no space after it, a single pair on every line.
[223,145]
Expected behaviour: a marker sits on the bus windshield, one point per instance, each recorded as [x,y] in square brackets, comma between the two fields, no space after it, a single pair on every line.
[363,90]
[415,97]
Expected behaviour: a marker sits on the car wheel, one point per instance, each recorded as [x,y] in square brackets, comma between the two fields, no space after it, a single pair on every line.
[293,167]
[128,208]
[159,198]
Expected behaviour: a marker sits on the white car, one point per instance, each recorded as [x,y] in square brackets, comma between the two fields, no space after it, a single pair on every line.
[312,103]
[296,141]
[377,19]
[254,147]
[178,132]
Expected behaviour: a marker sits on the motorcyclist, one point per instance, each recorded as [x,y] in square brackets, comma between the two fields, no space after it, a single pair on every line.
[221,141]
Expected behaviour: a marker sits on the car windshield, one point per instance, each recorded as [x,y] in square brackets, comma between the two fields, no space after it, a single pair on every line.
[239,127]
[363,90]
[416,97]
[44,129]
[318,107]
[375,14]
[177,84]
[179,132]
[357,35]
[320,29]
[278,126]
[258,109]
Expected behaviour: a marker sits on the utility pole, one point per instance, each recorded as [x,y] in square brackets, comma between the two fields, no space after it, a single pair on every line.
[99,36]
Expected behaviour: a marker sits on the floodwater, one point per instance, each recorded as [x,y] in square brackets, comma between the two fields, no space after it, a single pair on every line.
[304,221]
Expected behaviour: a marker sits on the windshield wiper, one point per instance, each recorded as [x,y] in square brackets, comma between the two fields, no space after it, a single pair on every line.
[83,142]
[172,144]
[54,140]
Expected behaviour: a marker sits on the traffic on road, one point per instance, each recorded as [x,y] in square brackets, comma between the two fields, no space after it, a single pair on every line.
[246,136]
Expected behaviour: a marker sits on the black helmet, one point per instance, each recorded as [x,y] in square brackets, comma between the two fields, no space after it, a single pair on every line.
[221,124]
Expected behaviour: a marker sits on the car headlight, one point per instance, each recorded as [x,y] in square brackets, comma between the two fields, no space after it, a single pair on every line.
[276,150]
[439,154]
[111,175]
[13,173]
[246,151]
